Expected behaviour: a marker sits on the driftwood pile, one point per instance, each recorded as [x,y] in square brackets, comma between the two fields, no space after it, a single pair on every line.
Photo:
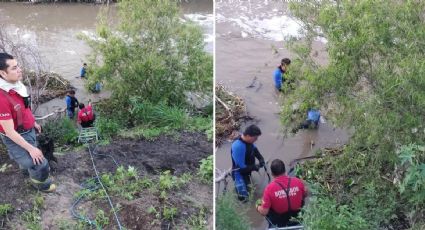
[47,86]
[230,112]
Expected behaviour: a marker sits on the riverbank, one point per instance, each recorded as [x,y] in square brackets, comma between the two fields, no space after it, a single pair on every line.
[170,195]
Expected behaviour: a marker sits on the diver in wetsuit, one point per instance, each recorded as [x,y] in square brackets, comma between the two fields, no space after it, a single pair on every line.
[243,154]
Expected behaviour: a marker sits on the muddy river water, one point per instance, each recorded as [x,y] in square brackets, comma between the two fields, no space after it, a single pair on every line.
[53,29]
[247,32]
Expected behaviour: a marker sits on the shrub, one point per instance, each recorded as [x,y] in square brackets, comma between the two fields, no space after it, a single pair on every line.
[372,84]
[206,169]
[150,54]
[230,213]
[107,127]
[326,214]
[63,131]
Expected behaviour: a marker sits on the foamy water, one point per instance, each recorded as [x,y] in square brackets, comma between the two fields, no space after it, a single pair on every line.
[266,20]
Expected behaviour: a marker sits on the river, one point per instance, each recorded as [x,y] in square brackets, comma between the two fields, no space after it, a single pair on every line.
[53,29]
[247,33]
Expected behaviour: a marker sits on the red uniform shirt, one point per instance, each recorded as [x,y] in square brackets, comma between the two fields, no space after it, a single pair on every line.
[274,195]
[7,111]
[85,114]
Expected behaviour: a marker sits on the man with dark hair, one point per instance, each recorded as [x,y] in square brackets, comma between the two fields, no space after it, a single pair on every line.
[85,115]
[17,125]
[283,198]
[278,77]
[243,154]
[71,103]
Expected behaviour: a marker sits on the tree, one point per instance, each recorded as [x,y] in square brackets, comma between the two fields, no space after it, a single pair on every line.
[36,74]
[150,54]
[373,84]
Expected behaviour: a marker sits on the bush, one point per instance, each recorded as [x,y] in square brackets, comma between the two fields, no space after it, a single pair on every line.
[373,84]
[151,54]
[326,214]
[230,213]
[107,127]
[206,169]
[63,131]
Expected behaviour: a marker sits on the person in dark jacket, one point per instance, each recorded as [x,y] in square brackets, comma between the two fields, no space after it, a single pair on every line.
[71,104]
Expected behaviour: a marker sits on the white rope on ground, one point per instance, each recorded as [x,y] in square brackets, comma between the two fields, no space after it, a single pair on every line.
[104,189]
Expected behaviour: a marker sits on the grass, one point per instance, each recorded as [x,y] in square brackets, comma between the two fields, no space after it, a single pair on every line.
[5,209]
[169,213]
[152,120]
[32,218]
[230,214]
[198,222]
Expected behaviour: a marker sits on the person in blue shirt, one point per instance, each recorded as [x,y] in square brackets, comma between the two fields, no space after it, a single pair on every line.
[312,121]
[71,104]
[278,76]
[243,154]
[83,70]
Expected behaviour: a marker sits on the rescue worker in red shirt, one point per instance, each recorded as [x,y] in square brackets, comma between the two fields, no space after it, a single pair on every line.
[86,116]
[17,125]
[283,198]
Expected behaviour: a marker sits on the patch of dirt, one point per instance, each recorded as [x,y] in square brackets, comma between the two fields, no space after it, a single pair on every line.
[14,188]
[179,154]
[135,214]
[57,204]
[190,201]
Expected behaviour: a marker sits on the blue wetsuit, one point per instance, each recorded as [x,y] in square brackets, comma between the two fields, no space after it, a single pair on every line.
[313,115]
[243,159]
[278,78]
[83,72]
[313,118]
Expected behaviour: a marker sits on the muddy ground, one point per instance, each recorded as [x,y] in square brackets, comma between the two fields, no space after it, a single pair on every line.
[180,154]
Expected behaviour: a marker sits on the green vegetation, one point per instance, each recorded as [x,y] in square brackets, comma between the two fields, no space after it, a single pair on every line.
[324,213]
[373,84]
[124,183]
[152,120]
[198,222]
[167,181]
[101,219]
[206,169]
[5,209]
[230,213]
[169,212]
[154,59]
[32,218]
[127,184]
[63,131]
